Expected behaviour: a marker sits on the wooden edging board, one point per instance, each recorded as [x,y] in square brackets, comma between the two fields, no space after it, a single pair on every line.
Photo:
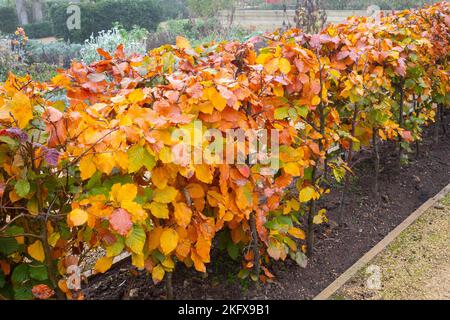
[380,246]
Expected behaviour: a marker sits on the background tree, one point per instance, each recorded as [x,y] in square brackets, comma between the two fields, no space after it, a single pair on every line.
[37,6]
[310,16]
[21,10]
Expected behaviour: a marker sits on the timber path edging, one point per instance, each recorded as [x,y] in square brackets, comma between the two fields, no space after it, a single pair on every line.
[380,246]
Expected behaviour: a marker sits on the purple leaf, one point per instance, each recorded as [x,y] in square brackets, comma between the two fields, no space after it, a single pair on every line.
[51,156]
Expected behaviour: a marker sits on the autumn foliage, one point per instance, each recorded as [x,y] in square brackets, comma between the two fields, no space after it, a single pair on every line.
[87,160]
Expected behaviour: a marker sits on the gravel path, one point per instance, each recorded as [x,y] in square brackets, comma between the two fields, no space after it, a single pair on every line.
[415,266]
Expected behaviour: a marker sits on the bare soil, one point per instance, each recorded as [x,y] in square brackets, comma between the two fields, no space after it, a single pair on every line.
[367,220]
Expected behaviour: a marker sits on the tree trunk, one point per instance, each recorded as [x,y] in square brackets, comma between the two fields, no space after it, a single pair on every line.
[400,123]
[437,125]
[21,10]
[349,163]
[38,15]
[169,286]
[376,160]
[255,245]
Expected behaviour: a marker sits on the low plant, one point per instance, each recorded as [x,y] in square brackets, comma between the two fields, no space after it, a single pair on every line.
[134,41]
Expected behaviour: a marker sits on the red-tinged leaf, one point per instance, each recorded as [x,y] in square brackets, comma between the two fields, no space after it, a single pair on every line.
[120,221]
[104,54]
[407,136]
[244,170]
[42,292]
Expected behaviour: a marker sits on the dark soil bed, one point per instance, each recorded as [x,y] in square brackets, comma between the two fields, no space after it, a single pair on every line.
[366,221]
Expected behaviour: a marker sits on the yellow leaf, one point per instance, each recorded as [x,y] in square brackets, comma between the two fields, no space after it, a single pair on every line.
[168,240]
[121,159]
[158,274]
[296,232]
[104,162]
[217,100]
[315,100]
[165,155]
[272,66]
[203,173]
[138,260]
[87,167]
[160,177]
[306,194]
[320,217]
[166,195]
[284,65]
[123,193]
[78,217]
[138,214]
[53,238]
[36,251]
[159,210]
[153,238]
[168,263]
[294,204]
[136,96]
[182,214]
[292,168]
[182,43]
[103,264]
[278,91]
[21,109]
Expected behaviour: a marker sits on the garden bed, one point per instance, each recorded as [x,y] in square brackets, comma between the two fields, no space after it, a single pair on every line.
[365,222]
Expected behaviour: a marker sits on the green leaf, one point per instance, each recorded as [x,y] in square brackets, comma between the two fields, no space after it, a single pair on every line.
[233,250]
[158,256]
[136,239]
[38,272]
[302,111]
[243,273]
[14,230]
[9,141]
[94,181]
[286,220]
[8,246]
[20,274]
[116,248]
[281,113]
[2,279]
[23,293]
[22,187]
[138,157]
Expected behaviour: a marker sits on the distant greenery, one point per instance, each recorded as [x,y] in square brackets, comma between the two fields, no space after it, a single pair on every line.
[58,53]
[102,15]
[8,20]
[208,8]
[346,4]
[39,30]
[202,30]
[133,41]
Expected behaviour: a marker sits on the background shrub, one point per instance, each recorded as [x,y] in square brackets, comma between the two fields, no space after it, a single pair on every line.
[8,20]
[134,41]
[39,30]
[57,53]
[96,17]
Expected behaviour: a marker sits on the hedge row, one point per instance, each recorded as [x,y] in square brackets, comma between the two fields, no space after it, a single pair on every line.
[8,20]
[100,167]
[95,17]
[102,16]
[39,30]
